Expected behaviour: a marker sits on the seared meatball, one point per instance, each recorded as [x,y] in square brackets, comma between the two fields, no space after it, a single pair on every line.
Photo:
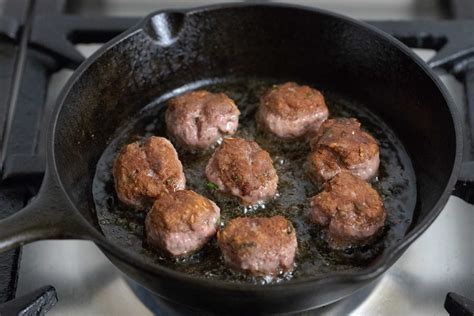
[196,120]
[290,111]
[340,144]
[261,246]
[350,209]
[144,170]
[244,169]
[182,222]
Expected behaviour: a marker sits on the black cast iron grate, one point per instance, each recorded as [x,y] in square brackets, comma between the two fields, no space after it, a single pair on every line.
[37,39]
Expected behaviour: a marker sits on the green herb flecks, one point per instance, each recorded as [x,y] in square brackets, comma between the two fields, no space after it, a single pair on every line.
[212,186]
[169,181]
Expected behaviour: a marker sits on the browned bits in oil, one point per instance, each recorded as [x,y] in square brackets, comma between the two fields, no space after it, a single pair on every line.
[395,183]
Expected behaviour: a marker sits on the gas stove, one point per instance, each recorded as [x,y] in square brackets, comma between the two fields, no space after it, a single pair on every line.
[43,41]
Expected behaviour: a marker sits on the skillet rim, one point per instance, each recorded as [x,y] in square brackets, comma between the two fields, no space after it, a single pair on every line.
[382,263]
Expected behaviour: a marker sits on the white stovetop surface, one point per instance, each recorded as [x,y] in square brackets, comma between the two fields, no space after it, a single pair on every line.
[440,261]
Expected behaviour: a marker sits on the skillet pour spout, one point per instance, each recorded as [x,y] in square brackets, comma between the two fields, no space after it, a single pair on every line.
[173,51]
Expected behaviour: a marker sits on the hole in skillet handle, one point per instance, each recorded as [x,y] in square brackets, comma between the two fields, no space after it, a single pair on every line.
[164,28]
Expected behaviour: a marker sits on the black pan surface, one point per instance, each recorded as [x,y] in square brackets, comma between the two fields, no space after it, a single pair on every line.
[395,182]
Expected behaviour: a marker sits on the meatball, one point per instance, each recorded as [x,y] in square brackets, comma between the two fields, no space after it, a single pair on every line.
[146,169]
[350,209]
[244,169]
[340,144]
[181,222]
[290,111]
[196,120]
[260,246]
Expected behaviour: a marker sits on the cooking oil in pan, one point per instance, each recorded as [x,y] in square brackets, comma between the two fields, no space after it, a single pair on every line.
[395,182]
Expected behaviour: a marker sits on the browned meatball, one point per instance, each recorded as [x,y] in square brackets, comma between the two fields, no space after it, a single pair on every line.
[291,111]
[261,246]
[244,169]
[182,222]
[144,170]
[350,209]
[340,144]
[196,120]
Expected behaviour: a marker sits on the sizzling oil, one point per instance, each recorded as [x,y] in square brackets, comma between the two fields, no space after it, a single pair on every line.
[395,182]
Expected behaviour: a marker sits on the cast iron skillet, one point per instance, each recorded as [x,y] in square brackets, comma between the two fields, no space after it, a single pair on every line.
[169,49]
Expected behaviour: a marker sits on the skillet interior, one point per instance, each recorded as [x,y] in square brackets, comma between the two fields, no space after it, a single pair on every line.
[396,183]
[246,42]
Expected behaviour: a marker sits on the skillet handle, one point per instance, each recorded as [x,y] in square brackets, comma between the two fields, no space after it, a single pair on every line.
[48,216]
